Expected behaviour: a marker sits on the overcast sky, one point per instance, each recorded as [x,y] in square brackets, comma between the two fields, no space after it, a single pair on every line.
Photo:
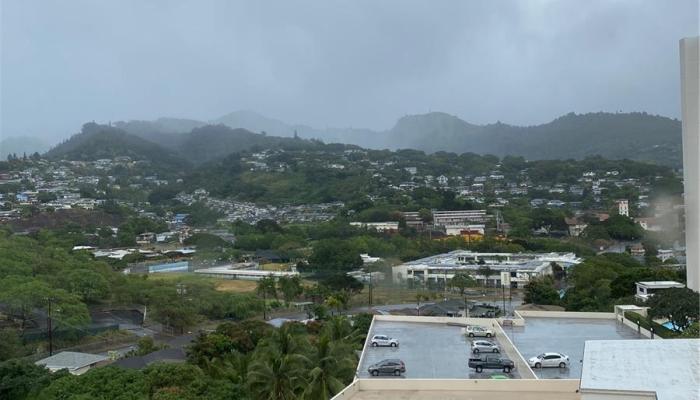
[335,63]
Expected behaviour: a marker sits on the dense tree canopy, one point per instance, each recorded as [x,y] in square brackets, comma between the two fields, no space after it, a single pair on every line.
[680,306]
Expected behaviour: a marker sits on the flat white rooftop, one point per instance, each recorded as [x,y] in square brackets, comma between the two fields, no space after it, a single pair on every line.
[661,284]
[670,368]
[252,274]
[70,360]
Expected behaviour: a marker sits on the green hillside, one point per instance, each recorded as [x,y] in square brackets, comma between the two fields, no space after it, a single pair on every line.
[96,142]
[635,136]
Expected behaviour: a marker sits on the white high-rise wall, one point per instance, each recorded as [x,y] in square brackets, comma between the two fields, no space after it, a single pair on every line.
[690,103]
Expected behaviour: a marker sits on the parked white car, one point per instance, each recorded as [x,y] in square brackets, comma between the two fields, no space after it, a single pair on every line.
[484,346]
[476,330]
[545,360]
[383,340]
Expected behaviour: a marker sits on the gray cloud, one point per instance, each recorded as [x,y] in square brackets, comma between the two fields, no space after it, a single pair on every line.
[335,63]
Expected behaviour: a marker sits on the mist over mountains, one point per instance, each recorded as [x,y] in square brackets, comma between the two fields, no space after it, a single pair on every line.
[178,151]
[636,136]
[22,145]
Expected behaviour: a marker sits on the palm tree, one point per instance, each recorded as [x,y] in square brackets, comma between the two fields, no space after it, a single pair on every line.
[344,299]
[333,302]
[338,328]
[273,376]
[284,342]
[334,361]
[231,366]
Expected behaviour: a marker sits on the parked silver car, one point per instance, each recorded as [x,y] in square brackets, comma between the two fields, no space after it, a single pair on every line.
[484,346]
[476,330]
[384,340]
[549,360]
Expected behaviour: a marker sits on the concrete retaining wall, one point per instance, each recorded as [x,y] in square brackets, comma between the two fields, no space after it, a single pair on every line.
[506,385]
[432,320]
[564,314]
[587,394]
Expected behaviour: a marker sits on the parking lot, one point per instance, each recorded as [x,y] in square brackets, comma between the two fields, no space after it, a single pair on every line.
[564,335]
[429,350]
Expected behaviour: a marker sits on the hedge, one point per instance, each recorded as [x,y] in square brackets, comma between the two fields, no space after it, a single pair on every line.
[647,323]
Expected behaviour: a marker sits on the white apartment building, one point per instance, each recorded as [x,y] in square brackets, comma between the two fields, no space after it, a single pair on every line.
[690,104]
[460,217]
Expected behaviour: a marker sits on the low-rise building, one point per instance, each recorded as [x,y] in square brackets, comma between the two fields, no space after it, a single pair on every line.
[647,289]
[75,363]
[227,272]
[389,226]
[637,250]
[521,267]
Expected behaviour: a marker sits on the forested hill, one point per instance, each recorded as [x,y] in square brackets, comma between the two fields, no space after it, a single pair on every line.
[214,141]
[635,136]
[174,151]
[96,142]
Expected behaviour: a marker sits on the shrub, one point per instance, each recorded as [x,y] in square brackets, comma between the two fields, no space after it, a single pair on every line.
[647,323]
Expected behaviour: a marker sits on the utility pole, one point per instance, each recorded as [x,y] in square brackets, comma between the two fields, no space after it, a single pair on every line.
[264,305]
[48,326]
[444,278]
[503,291]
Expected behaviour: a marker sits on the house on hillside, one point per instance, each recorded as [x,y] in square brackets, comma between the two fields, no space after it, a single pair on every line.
[647,289]
[75,363]
[270,256]
[576,226]
[145,238]
[637,250]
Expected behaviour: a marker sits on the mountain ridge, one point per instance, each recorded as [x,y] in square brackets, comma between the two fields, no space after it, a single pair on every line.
[637,136]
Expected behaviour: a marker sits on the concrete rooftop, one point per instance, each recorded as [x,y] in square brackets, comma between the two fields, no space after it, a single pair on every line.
[671,368]
[429,350]
[564,335]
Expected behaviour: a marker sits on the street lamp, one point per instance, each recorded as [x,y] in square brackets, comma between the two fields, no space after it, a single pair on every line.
[369,299]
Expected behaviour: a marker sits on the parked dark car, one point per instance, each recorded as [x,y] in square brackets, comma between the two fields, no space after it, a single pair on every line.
[389,366]
[479,364]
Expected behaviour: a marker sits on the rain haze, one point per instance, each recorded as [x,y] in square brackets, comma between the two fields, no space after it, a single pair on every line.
[335,63]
